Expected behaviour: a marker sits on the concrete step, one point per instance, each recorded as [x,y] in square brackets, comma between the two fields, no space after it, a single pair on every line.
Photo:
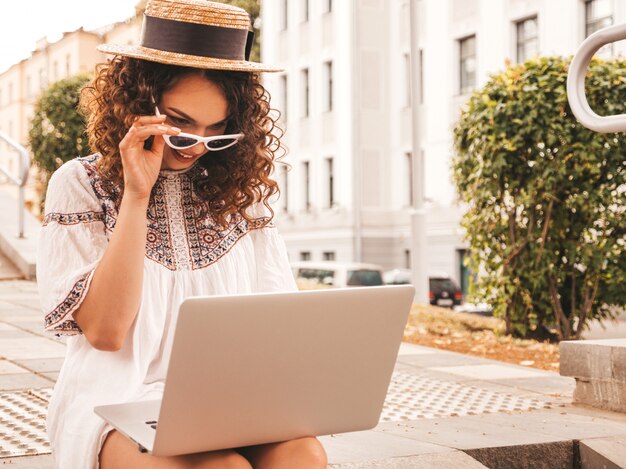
[8,270]
[22,252]
[29,462]
[606,453]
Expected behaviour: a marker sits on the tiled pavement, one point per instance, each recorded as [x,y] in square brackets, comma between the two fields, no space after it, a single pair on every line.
[443,409]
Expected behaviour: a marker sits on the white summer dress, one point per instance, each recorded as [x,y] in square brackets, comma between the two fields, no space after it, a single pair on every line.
[186,255]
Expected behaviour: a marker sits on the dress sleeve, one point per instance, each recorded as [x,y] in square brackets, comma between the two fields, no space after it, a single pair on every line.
[273,270]
[71,243]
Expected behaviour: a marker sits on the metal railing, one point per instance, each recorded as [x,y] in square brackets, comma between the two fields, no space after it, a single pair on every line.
[20,181]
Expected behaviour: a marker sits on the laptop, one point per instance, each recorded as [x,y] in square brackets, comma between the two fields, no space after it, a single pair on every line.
[262,368]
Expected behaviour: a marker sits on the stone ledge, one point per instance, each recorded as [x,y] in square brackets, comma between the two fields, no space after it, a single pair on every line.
[544,455]
[582,359]
[609,453]
[453,460]
[609,395]
[599,367]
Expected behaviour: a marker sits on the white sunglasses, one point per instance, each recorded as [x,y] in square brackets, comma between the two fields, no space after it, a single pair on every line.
[183,141]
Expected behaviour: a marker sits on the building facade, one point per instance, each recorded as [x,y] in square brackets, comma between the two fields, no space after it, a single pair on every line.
[21,85]
[346,102]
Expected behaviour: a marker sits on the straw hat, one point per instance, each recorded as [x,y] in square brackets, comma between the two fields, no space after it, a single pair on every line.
[194,33]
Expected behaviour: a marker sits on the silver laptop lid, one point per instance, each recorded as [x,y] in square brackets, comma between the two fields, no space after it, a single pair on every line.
[269,367]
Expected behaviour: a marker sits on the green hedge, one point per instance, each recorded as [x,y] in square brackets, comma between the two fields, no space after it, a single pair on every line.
[545,197]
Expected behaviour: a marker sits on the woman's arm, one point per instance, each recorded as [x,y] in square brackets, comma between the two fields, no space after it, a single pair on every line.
[114,296]
[112,302]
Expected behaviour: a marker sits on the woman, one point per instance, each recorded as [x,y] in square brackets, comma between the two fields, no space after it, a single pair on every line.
[161,212]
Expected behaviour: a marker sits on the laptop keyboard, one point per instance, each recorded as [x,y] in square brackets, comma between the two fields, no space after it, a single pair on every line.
[152,423]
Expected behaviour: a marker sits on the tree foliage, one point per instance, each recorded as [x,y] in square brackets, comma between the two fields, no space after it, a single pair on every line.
[57,132]
[546,197]
[253,7]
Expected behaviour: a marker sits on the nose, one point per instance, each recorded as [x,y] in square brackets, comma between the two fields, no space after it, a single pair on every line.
[197,150]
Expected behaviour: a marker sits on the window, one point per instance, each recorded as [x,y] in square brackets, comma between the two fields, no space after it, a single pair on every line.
[306,185]
[598,15]
[314,278]
[305,11]
[421,57]
[330,181]
[328,6]
[467,64]
[328,255]
[464,272]
[55,70]
[68,64]
[408,158]
[527,39]
[305,255]
[285,15]
[28,87]
[42,78]
[328,71]
[407,80]
[364,278]
[407,258]
[284,89]
[304,76]
[10,93]
[285,189]
[408,85]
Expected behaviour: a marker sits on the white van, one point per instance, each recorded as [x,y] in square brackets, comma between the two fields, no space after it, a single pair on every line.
[330,274]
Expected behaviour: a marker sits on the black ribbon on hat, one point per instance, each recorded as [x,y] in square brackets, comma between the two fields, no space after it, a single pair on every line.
[203,40]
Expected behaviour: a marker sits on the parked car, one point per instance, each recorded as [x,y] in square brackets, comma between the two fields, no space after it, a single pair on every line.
[331,274]
[443,291]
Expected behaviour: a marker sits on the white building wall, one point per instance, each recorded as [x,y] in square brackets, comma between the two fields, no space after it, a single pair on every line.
[373,134]
[323,134]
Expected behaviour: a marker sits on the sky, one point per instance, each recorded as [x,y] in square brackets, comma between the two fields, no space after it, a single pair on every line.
[23,22]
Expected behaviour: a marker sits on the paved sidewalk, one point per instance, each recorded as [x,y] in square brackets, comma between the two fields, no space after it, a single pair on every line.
[443,409]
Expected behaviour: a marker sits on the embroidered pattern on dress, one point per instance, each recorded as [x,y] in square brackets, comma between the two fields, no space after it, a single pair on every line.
[72,218]
[106,192]
[179,237]
[56,320]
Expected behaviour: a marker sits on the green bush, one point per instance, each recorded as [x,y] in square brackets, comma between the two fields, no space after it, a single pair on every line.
[57,132]
[546,197]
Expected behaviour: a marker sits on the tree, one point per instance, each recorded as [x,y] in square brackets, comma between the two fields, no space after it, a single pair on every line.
[57,132]
[546,197]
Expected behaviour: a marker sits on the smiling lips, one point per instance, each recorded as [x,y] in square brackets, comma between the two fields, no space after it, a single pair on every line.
[188,157]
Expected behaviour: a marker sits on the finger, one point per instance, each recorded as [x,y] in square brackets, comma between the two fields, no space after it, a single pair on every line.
[157,146]
[145,120]
[143,133]
[136,136]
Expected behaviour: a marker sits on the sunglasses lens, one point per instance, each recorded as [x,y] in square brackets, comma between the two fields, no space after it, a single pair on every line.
[182,142]
[221,143]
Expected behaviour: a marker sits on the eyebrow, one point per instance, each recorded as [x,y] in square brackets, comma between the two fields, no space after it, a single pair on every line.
[192,120]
